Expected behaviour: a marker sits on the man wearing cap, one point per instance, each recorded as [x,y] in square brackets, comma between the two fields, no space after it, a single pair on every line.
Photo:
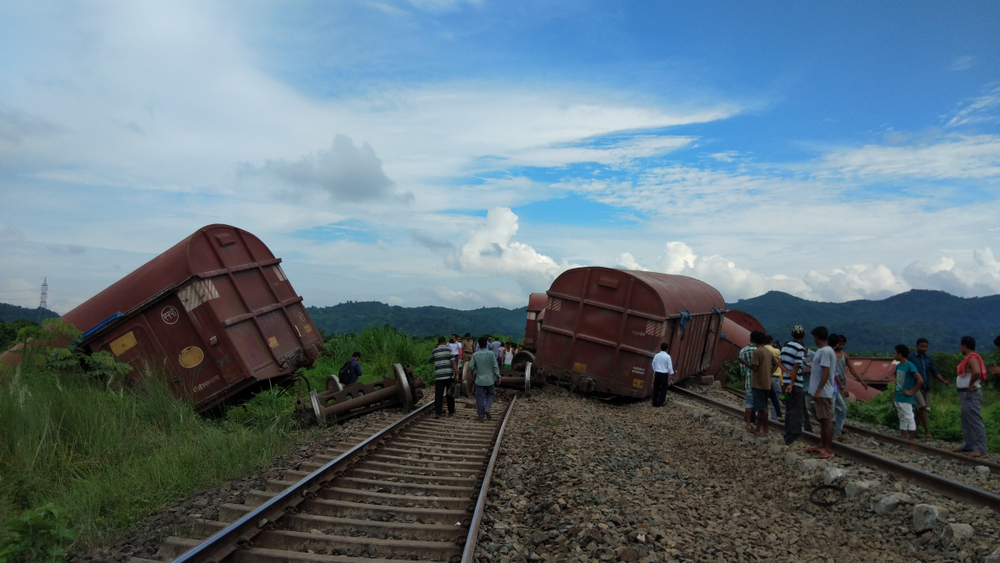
[468,346]
[792,356]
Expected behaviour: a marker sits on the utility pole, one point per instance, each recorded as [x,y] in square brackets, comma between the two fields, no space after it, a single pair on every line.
[44,303]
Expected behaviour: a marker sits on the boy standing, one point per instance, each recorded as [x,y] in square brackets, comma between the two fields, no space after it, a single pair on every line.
[745,356]
[925,366]
[792,355]
[761,366]
[908,382]
[824,365]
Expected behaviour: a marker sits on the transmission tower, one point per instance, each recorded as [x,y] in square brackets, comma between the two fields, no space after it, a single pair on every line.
[44,303]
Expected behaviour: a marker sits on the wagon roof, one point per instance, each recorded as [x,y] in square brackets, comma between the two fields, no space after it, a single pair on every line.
[194,256]
[679,293]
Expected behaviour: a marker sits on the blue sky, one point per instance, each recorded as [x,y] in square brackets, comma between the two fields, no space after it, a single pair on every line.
[465,153]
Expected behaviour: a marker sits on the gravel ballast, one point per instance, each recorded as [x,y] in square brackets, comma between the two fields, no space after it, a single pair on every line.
[584,480]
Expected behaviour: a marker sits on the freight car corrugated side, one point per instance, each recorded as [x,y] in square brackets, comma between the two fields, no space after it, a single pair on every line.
[215,314]
[602,327]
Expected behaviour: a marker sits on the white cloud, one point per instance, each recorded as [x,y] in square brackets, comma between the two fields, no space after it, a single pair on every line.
[490,251]
[465,299]
[735,282]
[627,262]
[983,109]
[962,63]
[613,155]
[345,172]
[725,156]
[677,256]
[975,156]
[968,278]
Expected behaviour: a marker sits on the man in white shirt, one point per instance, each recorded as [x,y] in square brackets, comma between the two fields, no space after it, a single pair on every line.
[663,368]
[456,350]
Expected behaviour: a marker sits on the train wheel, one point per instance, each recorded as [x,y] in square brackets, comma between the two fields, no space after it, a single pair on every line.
[403,387]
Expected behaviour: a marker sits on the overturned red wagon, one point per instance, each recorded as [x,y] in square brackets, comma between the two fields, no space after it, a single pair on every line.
[215,314]
[602,327]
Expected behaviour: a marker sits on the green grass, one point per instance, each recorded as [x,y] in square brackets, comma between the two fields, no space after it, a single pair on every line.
[84,456]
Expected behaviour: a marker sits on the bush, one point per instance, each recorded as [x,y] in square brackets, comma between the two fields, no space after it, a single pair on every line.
[38,535]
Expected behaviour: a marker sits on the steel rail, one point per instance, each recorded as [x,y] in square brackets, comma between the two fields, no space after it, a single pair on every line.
[912,446]
[943,485]
[242,531]
[473,537]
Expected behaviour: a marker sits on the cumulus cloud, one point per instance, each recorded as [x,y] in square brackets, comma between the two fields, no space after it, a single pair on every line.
[490,251]
[978,277]
[735,282]
[346,172]
[627,262]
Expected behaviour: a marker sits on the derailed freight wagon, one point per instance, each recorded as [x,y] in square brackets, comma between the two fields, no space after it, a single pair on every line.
[215,314]
[602,327]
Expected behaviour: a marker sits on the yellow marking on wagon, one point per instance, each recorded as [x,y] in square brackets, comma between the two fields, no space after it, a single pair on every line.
[123,343]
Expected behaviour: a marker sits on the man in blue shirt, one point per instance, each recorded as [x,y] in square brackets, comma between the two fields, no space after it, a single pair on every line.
[908,384]
[926,369]
[353,371]
[484,364]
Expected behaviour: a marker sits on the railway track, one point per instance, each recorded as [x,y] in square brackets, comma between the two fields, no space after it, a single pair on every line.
[414,490]
[948,487]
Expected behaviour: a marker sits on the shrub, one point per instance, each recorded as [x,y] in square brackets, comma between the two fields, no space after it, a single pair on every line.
[38,535]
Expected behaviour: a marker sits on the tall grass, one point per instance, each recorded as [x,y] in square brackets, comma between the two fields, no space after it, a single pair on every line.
[380,347]
[82,446]
[106,455]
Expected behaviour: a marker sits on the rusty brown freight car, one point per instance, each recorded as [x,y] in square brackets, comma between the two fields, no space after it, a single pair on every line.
[603,326]
[215,314]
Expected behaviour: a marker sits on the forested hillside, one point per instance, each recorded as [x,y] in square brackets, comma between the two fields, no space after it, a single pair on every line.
[355,316]
[877,326]
[9,313]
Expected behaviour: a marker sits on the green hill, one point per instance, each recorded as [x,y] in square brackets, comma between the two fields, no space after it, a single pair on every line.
[354,316]
[10,313]
[877,326]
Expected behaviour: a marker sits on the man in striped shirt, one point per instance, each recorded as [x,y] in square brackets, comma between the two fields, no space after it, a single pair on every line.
[445,370]
[792,361]
[745,356]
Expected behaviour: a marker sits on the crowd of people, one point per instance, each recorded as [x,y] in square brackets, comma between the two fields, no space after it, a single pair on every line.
[813,384]
[484,357]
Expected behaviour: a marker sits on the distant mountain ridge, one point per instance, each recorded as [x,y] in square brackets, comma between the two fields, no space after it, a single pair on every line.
[871,326]
[10,313]
[877,326]
[354,316]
